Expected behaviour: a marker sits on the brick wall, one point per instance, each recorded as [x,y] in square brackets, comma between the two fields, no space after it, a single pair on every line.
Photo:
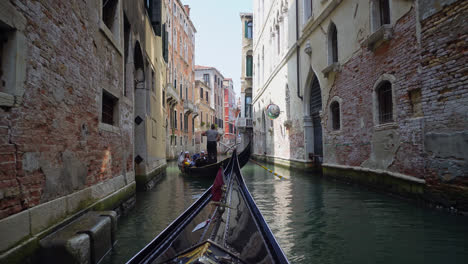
[353,144]
[52,145]
[430,133]
[444,82]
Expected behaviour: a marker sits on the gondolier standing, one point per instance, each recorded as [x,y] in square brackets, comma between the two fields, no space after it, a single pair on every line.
[212,137]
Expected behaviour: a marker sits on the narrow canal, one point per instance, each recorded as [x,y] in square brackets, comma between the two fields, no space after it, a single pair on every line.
[315,220]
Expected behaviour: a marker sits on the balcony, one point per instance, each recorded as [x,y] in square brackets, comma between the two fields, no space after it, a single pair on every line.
[244,122]
[172,97]
[190,108]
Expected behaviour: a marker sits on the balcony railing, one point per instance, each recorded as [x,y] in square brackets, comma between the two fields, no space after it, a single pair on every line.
[172,97]
[190,108]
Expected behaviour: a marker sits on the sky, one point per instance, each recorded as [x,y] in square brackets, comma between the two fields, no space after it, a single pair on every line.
[219,35]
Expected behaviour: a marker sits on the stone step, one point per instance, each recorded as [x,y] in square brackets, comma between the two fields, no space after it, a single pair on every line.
[86,240]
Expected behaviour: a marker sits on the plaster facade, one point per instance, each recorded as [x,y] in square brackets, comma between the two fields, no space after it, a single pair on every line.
[145,79]
[206,114]
[244,119]
[180,108]
[230,110]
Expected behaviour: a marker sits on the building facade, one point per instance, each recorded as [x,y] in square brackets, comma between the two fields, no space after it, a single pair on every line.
[214,79]
[377,92]
[145,51]
[206,114]
[74,81]
[181,110]
[230,110]
[244,121]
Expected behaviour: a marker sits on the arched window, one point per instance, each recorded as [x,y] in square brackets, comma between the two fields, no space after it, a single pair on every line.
[385,102]
[332,44]
[248,29]
[335,115]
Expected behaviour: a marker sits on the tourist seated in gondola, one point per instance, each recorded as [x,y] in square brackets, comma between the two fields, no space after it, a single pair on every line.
[201,160]
[187,160]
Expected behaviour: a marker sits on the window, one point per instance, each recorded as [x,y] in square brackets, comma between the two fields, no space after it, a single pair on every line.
[278,39]
[109,108]
[207,97]
[248,29]
[335,115]
[153,82]
[380,13]
[181,123]
[332,44]
[109,12]
[248,106]
[385,103]
[201,93]
[12,60]
[186,123]
[154,12]
[248,66]
[384,11]
[175,120]
[164,98]
[307,9]
[181,93]
[206,79]
[186,92]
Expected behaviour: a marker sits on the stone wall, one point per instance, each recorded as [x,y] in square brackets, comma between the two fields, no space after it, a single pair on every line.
[53,143]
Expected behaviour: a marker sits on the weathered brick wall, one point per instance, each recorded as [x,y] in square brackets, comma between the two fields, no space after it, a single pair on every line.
[429,139]
[444,82]
[51,144]
[401,144]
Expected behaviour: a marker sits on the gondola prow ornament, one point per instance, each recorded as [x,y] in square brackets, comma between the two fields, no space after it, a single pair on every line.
[273,111]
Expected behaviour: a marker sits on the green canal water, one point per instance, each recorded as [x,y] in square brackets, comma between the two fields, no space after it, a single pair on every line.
[315,220]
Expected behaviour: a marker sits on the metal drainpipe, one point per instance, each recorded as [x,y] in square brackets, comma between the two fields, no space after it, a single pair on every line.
[298,52]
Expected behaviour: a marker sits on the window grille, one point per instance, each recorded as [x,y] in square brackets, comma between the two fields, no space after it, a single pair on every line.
[384,95]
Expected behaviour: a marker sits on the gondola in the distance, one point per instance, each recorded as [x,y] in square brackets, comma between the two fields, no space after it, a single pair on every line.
[211,169]
[223,226]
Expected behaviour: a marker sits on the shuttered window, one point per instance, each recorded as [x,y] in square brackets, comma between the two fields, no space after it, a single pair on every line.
[249,66]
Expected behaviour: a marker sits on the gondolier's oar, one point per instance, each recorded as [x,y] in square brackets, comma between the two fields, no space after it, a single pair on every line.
[270,171]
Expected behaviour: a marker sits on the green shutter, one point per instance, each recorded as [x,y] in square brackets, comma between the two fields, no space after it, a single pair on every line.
[246,29]
[249,66]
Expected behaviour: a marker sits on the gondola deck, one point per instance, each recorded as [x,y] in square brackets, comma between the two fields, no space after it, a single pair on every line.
[237,232]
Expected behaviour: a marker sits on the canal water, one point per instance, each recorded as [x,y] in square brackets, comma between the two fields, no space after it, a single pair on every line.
[315,220]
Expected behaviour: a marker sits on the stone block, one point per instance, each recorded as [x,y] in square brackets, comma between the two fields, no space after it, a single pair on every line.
[118,182]
[79,200]
[102,189]
[85,240]
[13,229]
[48,214]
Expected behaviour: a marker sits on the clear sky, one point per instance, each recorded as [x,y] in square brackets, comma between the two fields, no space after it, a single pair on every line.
[219,35]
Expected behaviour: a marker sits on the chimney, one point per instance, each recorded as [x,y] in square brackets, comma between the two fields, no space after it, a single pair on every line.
[187,10]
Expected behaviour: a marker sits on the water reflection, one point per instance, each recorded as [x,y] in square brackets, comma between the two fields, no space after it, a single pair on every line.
[314,220]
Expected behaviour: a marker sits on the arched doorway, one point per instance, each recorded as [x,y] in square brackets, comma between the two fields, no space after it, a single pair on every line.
[315,108]
[312,120]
